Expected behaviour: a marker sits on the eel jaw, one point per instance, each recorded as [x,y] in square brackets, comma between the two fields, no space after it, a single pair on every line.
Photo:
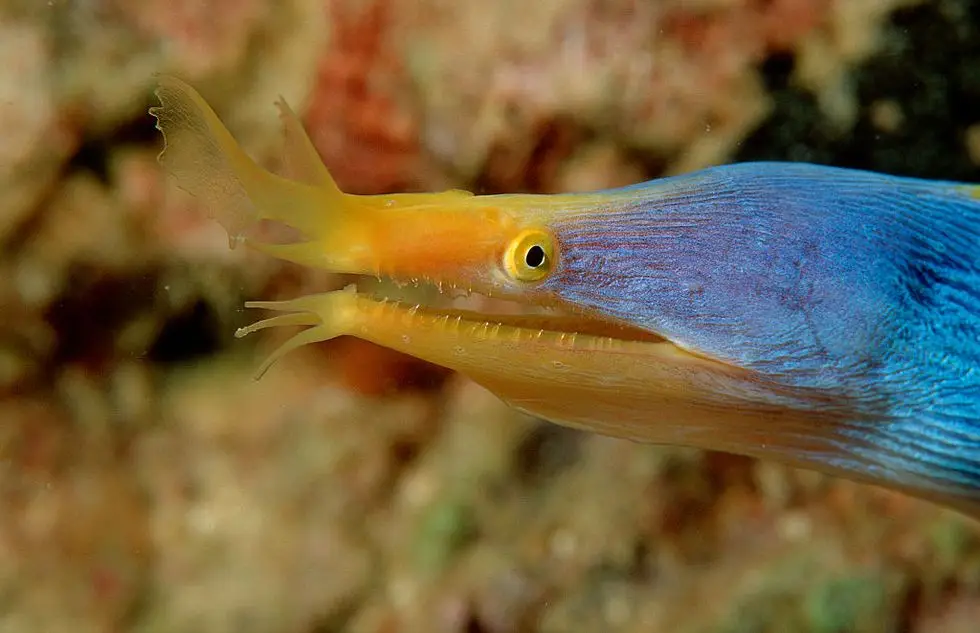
[391,323]
[591,374]
[576,370]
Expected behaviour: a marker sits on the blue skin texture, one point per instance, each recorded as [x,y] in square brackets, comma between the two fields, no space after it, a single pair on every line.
[857,291]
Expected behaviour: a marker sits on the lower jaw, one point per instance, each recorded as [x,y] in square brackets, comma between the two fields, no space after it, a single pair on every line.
[484,309]
[444,327]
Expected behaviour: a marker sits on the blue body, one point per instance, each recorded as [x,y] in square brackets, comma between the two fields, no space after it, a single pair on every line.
[859,289]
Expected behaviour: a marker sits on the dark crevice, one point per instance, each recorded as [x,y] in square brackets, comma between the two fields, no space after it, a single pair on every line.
[98,307]
[93,157]
[777,70]
[190,334]
[95,152]
[794,131]
[89,316]
[651,164]
[545,451]
[473,625]
[931,91]
[404,451]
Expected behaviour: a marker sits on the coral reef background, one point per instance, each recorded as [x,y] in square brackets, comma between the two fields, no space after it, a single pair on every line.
[147,484]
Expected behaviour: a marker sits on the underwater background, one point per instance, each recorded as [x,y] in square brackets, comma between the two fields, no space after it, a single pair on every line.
[148,484]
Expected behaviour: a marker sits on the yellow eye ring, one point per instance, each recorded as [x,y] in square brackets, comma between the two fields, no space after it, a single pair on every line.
[530,256]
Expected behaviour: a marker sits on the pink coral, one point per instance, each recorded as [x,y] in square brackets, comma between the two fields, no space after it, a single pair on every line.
[365,135]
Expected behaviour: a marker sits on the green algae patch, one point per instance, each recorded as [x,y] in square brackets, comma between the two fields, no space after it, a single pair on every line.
[442,532]
[865,602]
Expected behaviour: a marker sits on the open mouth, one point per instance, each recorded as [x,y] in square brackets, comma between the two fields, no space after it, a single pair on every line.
[459,316]
[514,314]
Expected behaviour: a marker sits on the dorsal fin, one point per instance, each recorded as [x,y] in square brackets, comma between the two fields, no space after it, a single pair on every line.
[301,160]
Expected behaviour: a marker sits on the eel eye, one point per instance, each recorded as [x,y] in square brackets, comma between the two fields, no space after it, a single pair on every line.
[530,256]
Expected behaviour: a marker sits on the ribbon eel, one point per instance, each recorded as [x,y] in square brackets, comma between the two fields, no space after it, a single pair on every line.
[827,318]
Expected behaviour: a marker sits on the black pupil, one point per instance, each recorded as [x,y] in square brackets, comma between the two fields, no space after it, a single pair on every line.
[534,256]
